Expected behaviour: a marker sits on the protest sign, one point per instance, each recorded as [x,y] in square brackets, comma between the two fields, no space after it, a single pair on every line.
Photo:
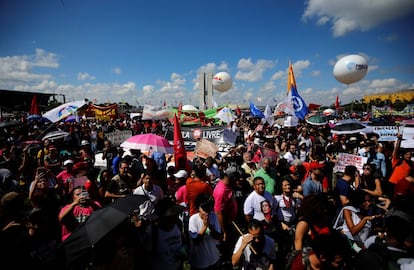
[205,148]
[345,159]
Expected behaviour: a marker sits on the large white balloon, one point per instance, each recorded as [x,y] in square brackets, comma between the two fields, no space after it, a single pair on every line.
[350,69]
[222,81]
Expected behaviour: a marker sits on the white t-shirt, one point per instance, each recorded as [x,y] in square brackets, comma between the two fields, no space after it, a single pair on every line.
[252,204]
[154,195]
[204,253]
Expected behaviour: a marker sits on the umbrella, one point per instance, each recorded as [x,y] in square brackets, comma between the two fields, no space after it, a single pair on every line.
[145,142]
[328,112]
[36,117]
[225,115]
[317,120]
[97,226]
[56,135]
[10,123]
[348,126]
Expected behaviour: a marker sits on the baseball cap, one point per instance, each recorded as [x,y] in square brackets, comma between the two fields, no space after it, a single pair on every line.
[84,142]
[232,171]
[181,174]
[67,162]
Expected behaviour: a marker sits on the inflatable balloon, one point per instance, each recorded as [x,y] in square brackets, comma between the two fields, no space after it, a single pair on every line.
[222,82]
[350,69]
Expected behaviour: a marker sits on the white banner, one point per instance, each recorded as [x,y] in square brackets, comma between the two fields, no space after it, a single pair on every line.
[386,133]
[151,112]
[345,159]
[118,136]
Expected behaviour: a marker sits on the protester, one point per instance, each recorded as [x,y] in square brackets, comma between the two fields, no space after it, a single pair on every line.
[205,232]
[254,250]
[252,207]
[76,212]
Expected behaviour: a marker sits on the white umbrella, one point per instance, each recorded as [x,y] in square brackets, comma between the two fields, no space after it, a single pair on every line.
[56,135]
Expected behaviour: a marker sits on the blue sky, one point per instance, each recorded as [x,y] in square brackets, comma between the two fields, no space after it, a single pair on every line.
[153,50]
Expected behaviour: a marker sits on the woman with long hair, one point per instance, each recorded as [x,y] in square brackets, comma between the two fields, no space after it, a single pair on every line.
[370,181]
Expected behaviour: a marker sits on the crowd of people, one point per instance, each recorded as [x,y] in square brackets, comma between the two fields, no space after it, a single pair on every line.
[273,201]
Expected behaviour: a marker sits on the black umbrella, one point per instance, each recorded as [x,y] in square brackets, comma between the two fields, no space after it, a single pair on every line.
[10,123]
[97,226]
[349,126]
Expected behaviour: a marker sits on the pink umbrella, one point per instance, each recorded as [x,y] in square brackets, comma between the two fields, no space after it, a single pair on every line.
[147,142]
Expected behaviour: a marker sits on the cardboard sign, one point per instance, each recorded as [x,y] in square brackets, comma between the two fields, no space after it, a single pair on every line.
[345,159]
[205,148]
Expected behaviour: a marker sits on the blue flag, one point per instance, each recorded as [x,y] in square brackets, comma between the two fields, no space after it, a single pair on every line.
[299,105]
[255,111]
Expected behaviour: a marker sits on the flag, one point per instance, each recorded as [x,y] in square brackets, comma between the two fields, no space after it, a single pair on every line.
[268,115]
[299,105]
[34,108]
[64,110]
[238,111]
[180,155]
[285,106]
[337,102]
[255,111]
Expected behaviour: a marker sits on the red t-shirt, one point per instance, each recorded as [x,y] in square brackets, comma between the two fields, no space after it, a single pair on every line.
[404,187]
[196,187]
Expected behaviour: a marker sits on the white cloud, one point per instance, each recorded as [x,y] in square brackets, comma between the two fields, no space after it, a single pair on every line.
[19,69]
[278,75]
[252,72]
[356,15]
[85,76]
[45,59]
[316,73]
[117,70]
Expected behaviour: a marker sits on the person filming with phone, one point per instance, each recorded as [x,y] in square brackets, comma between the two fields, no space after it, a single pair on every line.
[76,212]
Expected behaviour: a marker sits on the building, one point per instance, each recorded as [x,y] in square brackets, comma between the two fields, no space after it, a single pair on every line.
[403,96]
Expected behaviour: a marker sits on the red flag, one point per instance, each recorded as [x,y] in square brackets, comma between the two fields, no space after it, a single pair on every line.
[180,155]
[238,111]
[337,102]
[34,109]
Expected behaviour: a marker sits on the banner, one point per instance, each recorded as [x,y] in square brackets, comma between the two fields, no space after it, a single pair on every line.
[345,159]
[151,112]
[215,134]
[102,112]
[408,137]
[118,136]
[386,133]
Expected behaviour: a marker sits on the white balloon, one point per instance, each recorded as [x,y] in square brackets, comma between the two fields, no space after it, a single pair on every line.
[222,82]
[350,69]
